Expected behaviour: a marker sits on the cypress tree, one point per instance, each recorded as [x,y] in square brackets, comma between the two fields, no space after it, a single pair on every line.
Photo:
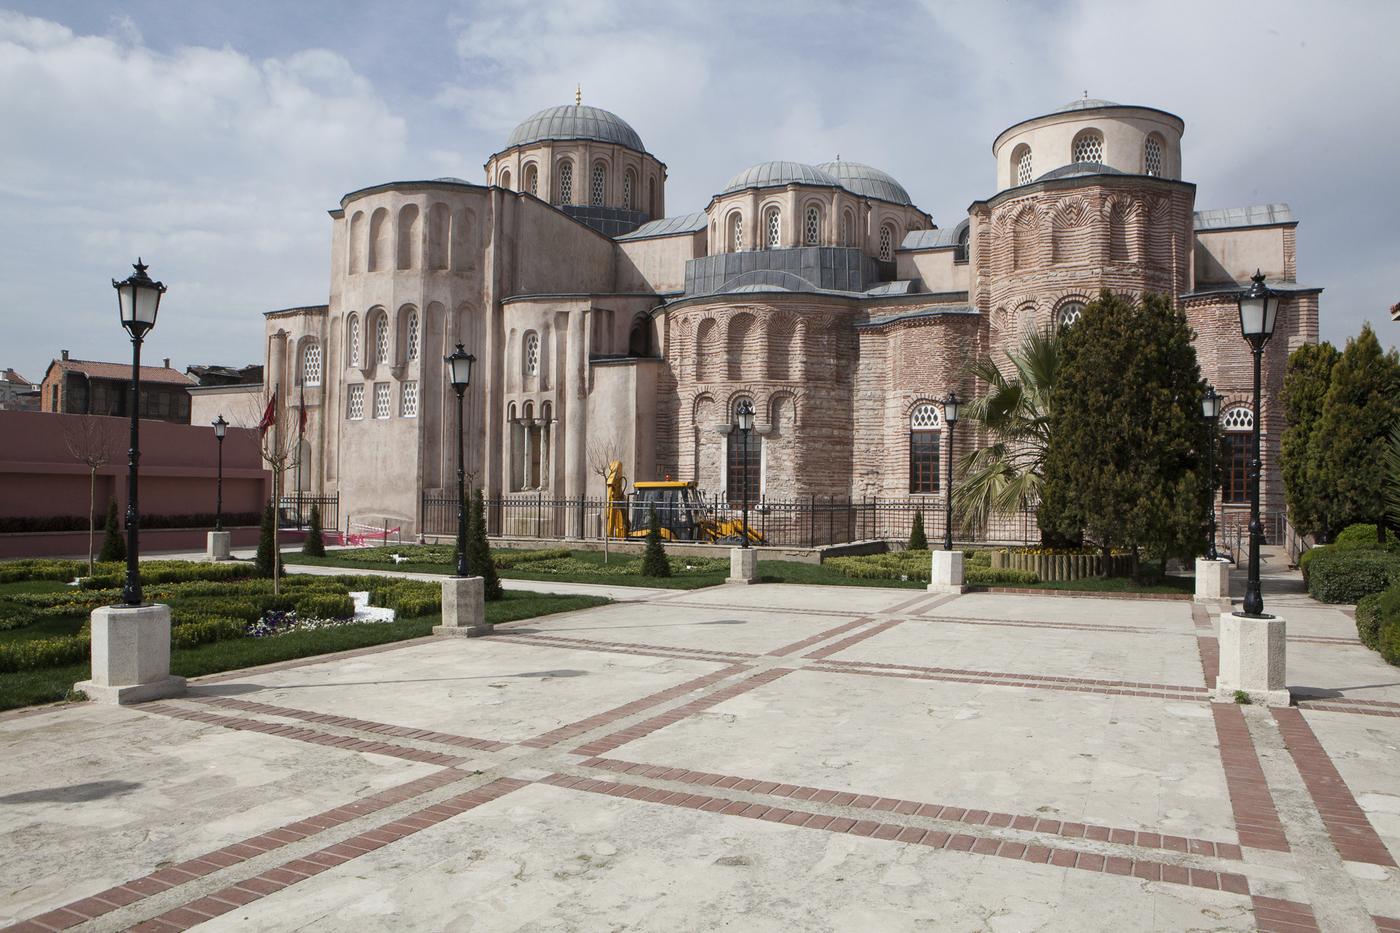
[1305,385]
[267,541]
[654,563]
[479,561]
[113,545]
[315,544]
[918,541]
[1124,462]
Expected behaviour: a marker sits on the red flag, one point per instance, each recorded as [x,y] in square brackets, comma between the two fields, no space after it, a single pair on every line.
[269,417]
[301,426]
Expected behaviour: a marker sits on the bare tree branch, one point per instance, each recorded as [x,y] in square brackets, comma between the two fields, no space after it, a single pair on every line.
[94,441]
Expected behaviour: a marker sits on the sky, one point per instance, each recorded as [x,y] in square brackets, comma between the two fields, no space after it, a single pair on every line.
[211,138]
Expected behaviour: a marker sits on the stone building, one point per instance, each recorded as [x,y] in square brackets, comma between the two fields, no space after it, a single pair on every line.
[89,387]
[820,293]
[17,393]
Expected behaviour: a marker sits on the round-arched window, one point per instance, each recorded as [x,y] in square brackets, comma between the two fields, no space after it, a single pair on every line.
[532,354]
[1238,423]
[1238,419]
[887,242]
[505,179]
[1152,156]
[311,364]
[924,417]
[628,182]
[846,229]
[773,227]
[600,188]
[411,338]
[532,180]
[566,182]
[813,227]
[1088,147]
[381,339]
[1022,163]
[736,232]
[1070,313]
[352,341]
[925,423]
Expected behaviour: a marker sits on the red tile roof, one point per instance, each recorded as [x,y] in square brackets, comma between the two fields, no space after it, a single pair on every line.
[13,377]
[98,370]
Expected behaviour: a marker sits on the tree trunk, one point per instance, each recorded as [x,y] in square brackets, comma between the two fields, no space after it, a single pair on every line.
[92,519]
[1107,561]
[276,546]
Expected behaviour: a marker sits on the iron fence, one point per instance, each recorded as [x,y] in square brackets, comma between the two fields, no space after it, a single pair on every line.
[294,511]
[1232,533]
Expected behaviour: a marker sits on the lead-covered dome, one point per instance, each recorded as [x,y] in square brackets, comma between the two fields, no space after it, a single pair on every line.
[867,181]
[778,174]
[575,121]
[1086,103]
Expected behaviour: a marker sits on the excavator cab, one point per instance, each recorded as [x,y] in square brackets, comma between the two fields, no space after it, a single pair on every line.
[679,511]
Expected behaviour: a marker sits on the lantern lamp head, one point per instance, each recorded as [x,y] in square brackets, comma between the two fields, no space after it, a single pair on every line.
[1210,403]
[138,300]
[1258,311]
[459,368]
[220,427]
[744,412]
[951,404]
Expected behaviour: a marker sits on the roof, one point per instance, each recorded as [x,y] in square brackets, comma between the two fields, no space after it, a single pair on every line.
[925,312]
[97,370]
[1395,311]
[778,174]
[937,238]
[15,378]
[1086,103]
[575,121]
[668,226]
[867,181]
[1281,286]
[1076,169]
[1257,215]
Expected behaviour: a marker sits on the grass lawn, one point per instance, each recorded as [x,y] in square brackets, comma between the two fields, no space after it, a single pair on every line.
[25,688]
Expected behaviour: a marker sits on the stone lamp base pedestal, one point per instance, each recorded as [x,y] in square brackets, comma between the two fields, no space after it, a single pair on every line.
[1212,580]
[220,545]
[131,656]
[463,608]
[1252,660]
[946,575]
[743,565]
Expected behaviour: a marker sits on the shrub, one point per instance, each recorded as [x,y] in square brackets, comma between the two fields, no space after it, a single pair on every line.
[479,549]
[113,547]
[1357,536]
[166,571]
[39,569]
[1346,575]
[315,544]
[918,541]
[43,652]
[267,541]
[986,576]
[324,606]
[204,631]
[1368,618]
[654,563]
[509,560]
[1389,642]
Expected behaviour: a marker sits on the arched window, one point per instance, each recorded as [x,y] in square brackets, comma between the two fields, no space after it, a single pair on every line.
[1152,156]
[1021,160]
[736,232]
[352,341]
[1239,441]
[743,462]
[925,430]
[846,229]
[599,191]
[652,205]
[960,251]
[381,339]
[311,364]
[532,354]
[887,242]
[566,182]
[1070,313]
[1088,147]
[812,229]
[772,229]
[532,179]
[505,179]
[629,182]
[411,336]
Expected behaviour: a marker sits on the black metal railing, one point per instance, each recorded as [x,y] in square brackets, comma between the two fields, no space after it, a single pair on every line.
[294,511]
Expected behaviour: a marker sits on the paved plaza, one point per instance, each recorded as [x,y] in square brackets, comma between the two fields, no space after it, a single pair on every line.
[768,758]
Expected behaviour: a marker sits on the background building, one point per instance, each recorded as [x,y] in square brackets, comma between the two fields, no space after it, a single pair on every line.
[88,387]
[17,393]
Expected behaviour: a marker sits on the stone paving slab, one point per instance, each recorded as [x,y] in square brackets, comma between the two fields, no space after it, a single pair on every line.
[1164,614]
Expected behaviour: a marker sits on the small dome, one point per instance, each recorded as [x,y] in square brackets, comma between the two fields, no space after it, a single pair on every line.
[777,174]
[1086,103]
[453,179]
[576,121]
[868,181]
[1076,169]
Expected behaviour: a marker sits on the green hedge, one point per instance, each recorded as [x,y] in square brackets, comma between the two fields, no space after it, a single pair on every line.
[1347,575]
[205,631]
[986,576]
[169,571]
[916,565]
[43,652]
[13,571]
[325,606]
[1378,622]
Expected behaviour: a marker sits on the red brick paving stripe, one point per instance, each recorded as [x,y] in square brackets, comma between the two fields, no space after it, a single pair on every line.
[1028,823]
[652,651]
[555,736]
[1256,816]
[1208,647]
[1324,640]
[855,639]
[275,879]
[346,722]
[609,742]
[908,604]
[1352,833]
[818,638]
[1037,623]
[1201,618]
[1357,710]
[302,735]
[624,646]
[960,842]
[1272,915]
[1080,594]
[105,902]
[1048,678]
[1187,693]
[1386,924]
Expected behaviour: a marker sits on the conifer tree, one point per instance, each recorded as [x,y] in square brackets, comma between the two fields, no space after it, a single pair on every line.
[267,541]
[918,541]
[113,545]
[479,561]
[654,563]
[1305,385]
[315,544]
[1124,462]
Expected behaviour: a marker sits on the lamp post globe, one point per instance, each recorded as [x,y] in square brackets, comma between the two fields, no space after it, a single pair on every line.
[138,302]
[744,413]
[220,429]
[950,417]
[459,375]
[1258,313]
[1210,410]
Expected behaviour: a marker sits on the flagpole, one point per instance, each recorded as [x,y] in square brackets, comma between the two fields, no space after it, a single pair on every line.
[301,433]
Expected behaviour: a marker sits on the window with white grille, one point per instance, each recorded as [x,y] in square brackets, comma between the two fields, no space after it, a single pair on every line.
[846,230]
[924,436]
[532,354]
[411,341]
[1152,156]
[887,243]
[381,339]
[1238,419]
[532,180]
[1023,168]
[1070,313]
[600,188]
[566,183]
[352,340]
[1088,147]
[408,400]
[813,229]
[311,364]
[355,402]
[924,417]
[736,233]
[627,191]
[773,224]
[381,400]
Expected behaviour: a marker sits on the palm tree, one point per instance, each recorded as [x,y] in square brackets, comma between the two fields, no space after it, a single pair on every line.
[1014,415]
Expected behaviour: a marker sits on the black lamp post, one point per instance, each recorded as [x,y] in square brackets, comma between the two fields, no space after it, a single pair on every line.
[744,412]
[220,429]
[950,417]
[1210,408]
[1258,311]
[459,373]
[138,300]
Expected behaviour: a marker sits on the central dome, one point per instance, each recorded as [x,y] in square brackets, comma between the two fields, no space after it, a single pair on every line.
[778,174]
[1085,103]
[575,121]
[867,181]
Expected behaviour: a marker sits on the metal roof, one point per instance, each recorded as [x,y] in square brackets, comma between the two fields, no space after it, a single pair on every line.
[575,121]
[1076,169]
[1086,103]
[777,174]
[866,180]
[938,238]
[668,226]
[1257,215]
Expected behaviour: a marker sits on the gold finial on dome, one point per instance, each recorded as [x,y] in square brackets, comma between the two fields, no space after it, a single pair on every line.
[578,95]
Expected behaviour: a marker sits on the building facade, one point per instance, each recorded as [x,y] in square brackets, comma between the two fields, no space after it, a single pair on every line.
[821,294]
[88,387]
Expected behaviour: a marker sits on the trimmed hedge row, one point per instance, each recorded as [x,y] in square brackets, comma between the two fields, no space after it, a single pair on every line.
[1378,623]
[1347,575]
[916,565]
[32,524]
